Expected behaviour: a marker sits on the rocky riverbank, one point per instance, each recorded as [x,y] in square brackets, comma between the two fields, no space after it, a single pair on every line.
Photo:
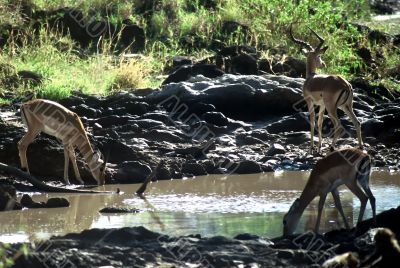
[139,247]
[230,124]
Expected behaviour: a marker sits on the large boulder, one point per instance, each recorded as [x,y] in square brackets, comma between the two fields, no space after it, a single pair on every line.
[132,172]
[236,96]
[185,72]
[248,167]
[8,198]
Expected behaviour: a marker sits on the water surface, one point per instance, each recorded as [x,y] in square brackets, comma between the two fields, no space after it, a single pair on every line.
[208,205]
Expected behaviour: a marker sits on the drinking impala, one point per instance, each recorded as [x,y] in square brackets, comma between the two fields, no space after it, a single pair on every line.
[54,119]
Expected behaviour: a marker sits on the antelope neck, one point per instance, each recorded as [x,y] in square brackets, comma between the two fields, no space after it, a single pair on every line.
[310,75]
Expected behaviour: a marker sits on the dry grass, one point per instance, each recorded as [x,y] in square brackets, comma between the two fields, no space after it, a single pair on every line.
[131,74]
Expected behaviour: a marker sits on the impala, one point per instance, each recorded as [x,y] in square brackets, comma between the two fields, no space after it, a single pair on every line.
[56,120]
[329,92]
[350,167]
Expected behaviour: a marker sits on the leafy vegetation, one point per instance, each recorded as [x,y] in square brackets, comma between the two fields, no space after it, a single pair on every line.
[8,261]
[183,27]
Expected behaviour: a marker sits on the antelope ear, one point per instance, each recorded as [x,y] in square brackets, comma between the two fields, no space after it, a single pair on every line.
[304,51]
[322,50]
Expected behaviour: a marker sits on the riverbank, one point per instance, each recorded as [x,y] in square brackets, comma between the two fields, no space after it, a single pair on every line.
[139,247]
[228,125]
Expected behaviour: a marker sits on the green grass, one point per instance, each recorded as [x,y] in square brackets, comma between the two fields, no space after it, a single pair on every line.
[55,57]
[64,71]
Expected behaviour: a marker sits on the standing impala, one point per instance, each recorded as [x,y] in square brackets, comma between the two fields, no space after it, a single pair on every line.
[329,92]
[350,167]
[56,120]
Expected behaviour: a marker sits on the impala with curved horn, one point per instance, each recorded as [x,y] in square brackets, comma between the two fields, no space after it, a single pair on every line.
[329,92]
[54,119]
[351,167]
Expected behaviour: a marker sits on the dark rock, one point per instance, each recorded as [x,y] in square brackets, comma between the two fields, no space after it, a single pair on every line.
[379,37]
[297,138]
[235,50]
[238,97]
[185,72]
[179,61]
[280,68]
[201,108]
[269,168]
[8,198]
[57,202]
[162,135]
[132,172]
[264,65]
[197,151]
[297,122]
[118,210]
[148,123]
[248,167]
[384,6]
[297,67]
[246,236]
[286,254]
[275,149]
[118,152]
[245,139]
[396,40]
[244,64]
[26,201]
[195,169]
[132,36]
[29,76]
[136,107]
[366,54]
[163,173]
[215,118]
[86,111]
[157,116]
[72,101]
[113,120]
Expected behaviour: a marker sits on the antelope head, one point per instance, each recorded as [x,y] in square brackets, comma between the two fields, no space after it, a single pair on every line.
[292,218]
[98,168]
[313,54]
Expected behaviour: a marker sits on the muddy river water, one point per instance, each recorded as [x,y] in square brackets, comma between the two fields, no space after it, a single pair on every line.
[209,205]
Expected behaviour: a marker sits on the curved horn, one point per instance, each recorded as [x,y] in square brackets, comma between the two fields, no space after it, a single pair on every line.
[321,40]
[298,41]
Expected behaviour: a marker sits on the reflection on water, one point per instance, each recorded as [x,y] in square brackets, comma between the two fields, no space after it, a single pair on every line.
[210,205]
